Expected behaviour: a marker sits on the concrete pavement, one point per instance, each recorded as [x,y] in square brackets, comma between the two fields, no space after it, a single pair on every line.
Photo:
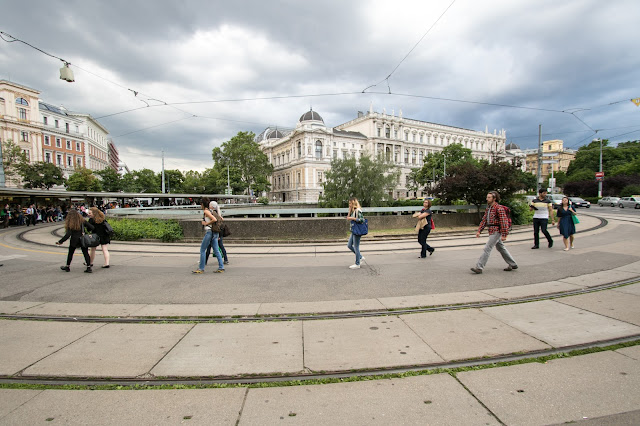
[603,384]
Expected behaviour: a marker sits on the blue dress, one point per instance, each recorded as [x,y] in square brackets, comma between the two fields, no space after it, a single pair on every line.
[565,221]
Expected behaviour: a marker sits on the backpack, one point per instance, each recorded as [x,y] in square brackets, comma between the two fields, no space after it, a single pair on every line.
[507,211]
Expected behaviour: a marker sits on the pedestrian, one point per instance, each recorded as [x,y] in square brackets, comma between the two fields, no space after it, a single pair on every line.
[496,219]
[355,216]
[5,215]
[29,214]
[424,228]
[213,206]
[212,230]
[543,208]
[75,227]
[566,225]
[99,223]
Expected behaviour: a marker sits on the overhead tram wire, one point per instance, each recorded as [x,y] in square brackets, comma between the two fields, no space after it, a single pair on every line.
[152,127]
[410,51]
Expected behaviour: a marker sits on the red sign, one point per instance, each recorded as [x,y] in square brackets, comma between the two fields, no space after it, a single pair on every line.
[599,176]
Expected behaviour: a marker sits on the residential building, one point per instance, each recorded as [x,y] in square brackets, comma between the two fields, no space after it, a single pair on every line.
[302,156]
[62,143]
[96,151]
[552,150]
[20,121]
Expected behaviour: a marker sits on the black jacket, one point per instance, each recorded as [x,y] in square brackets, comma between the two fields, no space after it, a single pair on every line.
[75,235]
[101,230]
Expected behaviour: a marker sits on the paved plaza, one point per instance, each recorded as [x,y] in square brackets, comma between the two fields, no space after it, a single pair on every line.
[261,319]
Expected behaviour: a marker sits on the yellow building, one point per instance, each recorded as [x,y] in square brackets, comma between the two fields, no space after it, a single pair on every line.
[551,151]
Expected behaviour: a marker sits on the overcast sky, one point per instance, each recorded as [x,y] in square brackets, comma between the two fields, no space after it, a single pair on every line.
[541,54]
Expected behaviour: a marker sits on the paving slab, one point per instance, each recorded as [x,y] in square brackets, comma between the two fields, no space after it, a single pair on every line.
[630,418]
[612,304]
[629,289]
[561,325]
[631,352]
[236,349]
[531,290]
[139,407]
[631,267]
[26,342]
[115,350]
[469,333]
[562,390]
[11,399]
[358,343]
[320,307]
[7,307]
[83,309]
[434,400]
[198,310]
[441,299]
[599,278]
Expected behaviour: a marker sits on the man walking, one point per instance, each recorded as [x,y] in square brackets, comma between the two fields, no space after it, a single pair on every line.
[543,208]
[496,219]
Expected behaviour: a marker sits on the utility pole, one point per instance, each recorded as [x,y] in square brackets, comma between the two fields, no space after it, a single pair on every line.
[444,174]
[600,181]
[539,158]
[2,179]
[163,171]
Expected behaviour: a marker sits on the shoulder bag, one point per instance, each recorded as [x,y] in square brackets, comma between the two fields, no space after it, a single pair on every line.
[360,228]
[215,226]
[108,228]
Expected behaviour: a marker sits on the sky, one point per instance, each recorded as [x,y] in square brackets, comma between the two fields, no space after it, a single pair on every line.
[210,69]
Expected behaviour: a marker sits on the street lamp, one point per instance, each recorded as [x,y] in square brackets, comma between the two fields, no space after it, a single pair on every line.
[600,181]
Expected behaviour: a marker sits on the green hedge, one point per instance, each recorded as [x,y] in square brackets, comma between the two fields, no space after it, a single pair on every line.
[135,229]
[521,214]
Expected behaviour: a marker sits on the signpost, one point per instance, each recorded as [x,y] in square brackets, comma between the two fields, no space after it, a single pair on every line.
[599,176]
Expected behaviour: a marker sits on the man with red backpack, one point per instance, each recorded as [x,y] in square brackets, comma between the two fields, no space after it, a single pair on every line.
[497,219]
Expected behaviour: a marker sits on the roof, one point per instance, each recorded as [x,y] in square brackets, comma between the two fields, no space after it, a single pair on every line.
[311,115]
[339,132]
[52,108]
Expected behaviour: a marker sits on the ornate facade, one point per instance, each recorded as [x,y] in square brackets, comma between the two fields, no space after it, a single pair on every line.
[301,156]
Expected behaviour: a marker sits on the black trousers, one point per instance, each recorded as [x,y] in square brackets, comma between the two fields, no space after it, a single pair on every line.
[85,253]
[540,225]
[422,239]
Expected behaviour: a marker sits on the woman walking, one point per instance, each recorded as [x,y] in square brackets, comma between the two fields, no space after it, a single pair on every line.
[212,229]
[567,228]
[75,226]
[214,207]
[425,229]
[355,216]
[99,223]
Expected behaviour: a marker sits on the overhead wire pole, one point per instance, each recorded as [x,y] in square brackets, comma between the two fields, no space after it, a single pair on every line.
[539,157]
[163,191]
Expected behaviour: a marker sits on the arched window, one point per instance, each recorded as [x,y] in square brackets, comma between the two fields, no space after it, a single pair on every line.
[299,149]
[414,156]
[318,150]
[22,101]
[406,156]
[387,152]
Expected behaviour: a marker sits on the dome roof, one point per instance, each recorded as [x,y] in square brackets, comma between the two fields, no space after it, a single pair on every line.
[275,134]
[511,146]
[311,115]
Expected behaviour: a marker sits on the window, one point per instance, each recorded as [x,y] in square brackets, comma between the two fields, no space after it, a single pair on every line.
[299,149]
[68,144]
[78,146]
[77,129]
[47,141]
[298,178]
[21,101]
[406,136]
[320,174]
[46,121]
[59,159]
[58,143]
[23,113]
[318,150]
[378,131]
[335,153]
[413,137]
[47,157]
[387,152]
[24,136]
[66,127]
[69,161]
[57,124]
[414,155]
[406,155]
[79,161]
[28,154]
[421,136]
[387,132]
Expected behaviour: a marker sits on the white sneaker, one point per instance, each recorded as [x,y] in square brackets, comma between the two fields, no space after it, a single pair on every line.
[354,267]
[361,258]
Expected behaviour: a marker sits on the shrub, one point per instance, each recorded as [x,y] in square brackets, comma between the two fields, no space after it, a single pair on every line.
[630,190]
[263,200]
[521,214]
[135,229]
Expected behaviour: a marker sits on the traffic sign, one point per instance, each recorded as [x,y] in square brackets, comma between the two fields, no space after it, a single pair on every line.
[599,176]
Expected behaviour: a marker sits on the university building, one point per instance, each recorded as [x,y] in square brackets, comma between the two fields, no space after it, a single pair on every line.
[301,156]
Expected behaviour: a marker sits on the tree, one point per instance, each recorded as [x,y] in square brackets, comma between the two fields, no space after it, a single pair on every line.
[370,180]
[12,157]
[434,165]
[173,180]
[144,180]
[245,159]
[110,179]
[192,183]
[588,158]
[471,181]
[83,180]
[40,175]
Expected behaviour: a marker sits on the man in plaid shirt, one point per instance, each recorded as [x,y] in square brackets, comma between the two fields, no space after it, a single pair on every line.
[495,218]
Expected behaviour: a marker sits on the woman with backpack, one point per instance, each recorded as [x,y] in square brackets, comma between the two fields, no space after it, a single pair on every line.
[98,221]
[210,221]
[355,216]
[75,225]
[424,228]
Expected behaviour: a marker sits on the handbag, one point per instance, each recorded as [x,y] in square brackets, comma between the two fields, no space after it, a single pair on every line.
[575,219]
[433,224]
[215,226]
[360,228]
[421,224]
[90,240]
[224,230]
[108,228]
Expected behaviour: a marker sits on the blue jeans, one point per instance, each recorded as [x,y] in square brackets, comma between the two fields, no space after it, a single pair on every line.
[209,238]
[216,249]
[354,246]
